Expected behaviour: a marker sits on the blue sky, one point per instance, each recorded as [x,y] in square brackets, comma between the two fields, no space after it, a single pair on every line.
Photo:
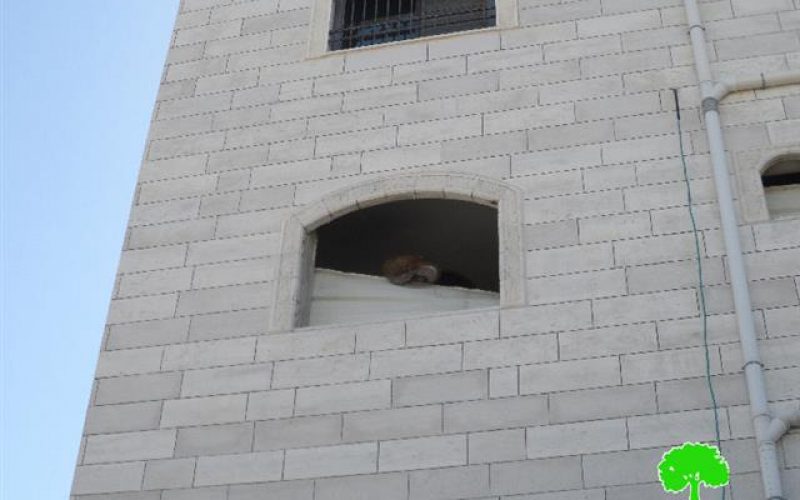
[79,81]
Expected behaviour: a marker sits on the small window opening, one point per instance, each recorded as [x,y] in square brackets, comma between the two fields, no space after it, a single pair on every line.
[782,188]
[405,258]
[358,23]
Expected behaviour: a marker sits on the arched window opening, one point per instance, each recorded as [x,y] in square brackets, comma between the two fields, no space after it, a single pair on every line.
[404,258]
[781,182]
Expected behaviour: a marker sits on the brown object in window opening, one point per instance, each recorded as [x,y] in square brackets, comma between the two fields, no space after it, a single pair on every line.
[406,269]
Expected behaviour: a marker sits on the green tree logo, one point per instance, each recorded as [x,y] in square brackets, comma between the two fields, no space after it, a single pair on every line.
[692,464]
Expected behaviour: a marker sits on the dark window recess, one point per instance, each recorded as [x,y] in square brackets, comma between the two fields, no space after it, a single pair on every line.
[782,187]
[781,179]
[357,23]
[458,238]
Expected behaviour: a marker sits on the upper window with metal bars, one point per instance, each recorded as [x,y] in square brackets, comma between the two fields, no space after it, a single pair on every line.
[357,23]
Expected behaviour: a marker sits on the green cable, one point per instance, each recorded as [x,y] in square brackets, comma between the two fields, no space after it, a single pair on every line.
[701,281]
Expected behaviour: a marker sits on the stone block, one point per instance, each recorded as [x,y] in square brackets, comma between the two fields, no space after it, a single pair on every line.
[193,105]
[448,128]
[569,375]
[289,490]
[552,161]
[469,43]
[423,453]
[571,135]
[214,440]
[529,118]
[243,468]
[452,328]
[372,395]
[545,318]
[358,141]
[569,259]
[503,382]
[129,362]
[607,341]
[485,146]
[654,250]
[429,389]
[511,351]
[395,158]
[227,82]
[334,369]
[392,486]
[506,58]
[229,324]
[177,167]
[208,32]
[265,134]
[575,49]
[646,307]
[305,344]
[204,411]
[607,402]
[417,361]
[497,446]
[248,271]
[380,97]
[626,63]
[495,414]
[169,474]
[674,428]
[552,234]
[349,82]
[208,354]
[612,107]
[665,365]
[427,70]
[381,336]
[341,460]
[129,446]
[538,35]
[635,21]
[449,483]
[584,437]
[392,424]
[150,387]
[297,432]
[121,418]
[209,493]
[588,285]
[270,404]
[574,206]
[108,478]
[169,211]
[567,91]
[693,394]
[604,469]
[142,308]
[533,476]
[171,232]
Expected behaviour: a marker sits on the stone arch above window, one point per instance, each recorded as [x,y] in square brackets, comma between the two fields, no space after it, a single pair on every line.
[291,299]
[768,184]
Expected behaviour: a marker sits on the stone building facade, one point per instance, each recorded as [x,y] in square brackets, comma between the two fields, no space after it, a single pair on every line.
[592,363]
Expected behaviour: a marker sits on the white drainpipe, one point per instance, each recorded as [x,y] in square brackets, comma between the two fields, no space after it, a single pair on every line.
[768,428]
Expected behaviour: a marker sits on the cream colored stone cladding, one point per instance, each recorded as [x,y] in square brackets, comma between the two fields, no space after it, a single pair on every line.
[573,394]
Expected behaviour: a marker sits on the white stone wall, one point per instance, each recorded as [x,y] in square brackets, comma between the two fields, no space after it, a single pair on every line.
[573,397]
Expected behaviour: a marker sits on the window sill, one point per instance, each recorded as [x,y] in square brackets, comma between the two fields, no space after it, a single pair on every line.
[411,41]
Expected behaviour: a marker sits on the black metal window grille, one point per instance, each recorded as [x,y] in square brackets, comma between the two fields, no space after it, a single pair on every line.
[358,23]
